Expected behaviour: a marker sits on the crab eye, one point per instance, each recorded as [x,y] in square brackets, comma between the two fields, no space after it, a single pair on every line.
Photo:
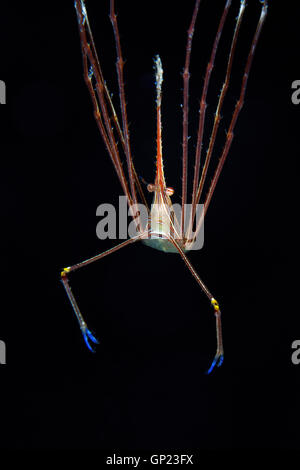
[169,191]
[151,188]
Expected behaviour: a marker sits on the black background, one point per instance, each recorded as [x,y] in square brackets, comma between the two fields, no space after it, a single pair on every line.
[146,388]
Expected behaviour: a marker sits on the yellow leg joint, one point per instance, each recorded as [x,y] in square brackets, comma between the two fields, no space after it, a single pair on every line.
[65,271]
[215,305]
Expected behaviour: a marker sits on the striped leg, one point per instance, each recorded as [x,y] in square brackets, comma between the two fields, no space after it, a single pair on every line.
[219,356]
[88,336]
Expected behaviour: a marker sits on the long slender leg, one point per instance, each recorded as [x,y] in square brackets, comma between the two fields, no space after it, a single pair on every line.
[221,100]
[120,66]
[219,356]
[202,112]
[238,105]
[99,94]
[88,336]
[103,107]
[235,115]
[186,80]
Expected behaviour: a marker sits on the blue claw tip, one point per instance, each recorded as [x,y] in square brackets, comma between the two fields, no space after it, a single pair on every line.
[217,360]
[87,334]
[212,366]
[221,359]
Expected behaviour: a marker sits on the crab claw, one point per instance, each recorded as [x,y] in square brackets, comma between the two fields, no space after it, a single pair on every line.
[218,361]
[88,336]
